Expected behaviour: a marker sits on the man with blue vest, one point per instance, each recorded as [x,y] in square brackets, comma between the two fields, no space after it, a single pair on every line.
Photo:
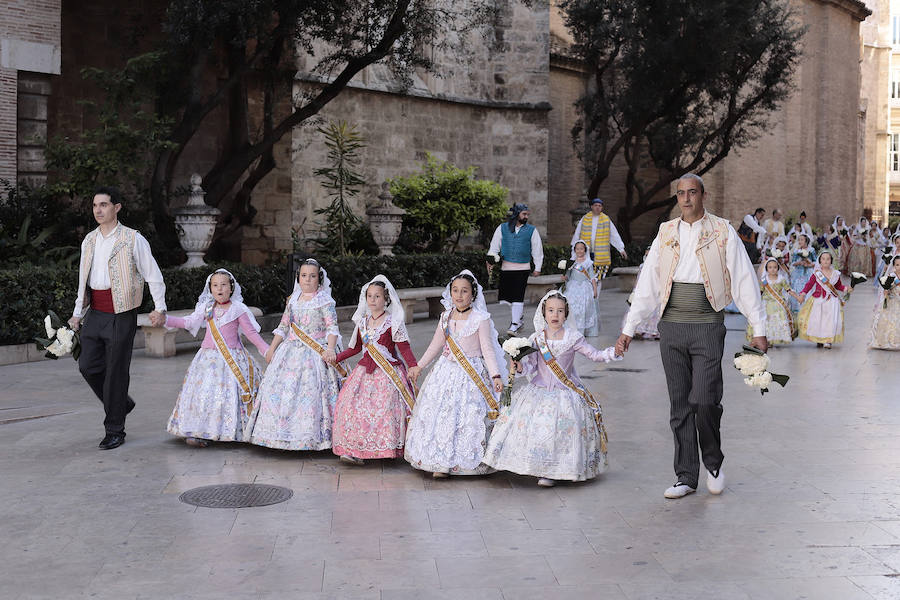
[518,243]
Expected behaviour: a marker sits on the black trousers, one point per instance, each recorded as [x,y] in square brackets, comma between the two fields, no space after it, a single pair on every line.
[512,285]
[692,359]
[752,251]
[106,343]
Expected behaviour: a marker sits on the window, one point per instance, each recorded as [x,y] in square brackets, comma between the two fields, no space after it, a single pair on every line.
[895,84]
[895,30]
[894,152]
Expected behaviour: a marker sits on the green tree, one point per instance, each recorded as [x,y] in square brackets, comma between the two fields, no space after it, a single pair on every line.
[676,85]
[343,180]
[444,202]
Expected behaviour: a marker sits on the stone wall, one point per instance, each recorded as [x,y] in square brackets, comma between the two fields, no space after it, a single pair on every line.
[29,42]
[874,103]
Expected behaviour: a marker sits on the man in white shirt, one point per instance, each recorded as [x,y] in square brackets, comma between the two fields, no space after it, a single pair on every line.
[598,233]
[518,243]
[804,226]
[685,276]
[115,262]
[774,227]
[752,233]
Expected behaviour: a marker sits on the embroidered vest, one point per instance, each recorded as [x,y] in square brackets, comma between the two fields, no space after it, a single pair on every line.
[516,246]
[126,283]
[600,244]
[710,255]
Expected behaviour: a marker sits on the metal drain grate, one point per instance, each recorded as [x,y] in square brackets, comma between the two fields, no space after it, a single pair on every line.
[236,495]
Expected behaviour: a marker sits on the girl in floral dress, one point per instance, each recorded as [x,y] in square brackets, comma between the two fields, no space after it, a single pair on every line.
[821,318]
[803,259]
[297,395]
[217,394]
[774,287]
[581,289]
[457,404]
[862,257]
[886,321]
[553,429]
[372,409]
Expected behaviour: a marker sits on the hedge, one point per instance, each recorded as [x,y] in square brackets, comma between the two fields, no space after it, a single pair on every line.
[28,292]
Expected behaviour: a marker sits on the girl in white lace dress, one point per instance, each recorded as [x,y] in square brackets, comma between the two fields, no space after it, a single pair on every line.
[582,286]
[553,429]
[454,412]
[298,392]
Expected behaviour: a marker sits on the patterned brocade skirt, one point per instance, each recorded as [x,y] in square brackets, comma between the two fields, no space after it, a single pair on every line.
[821,320]
[886,324]
[209,405]
[370,416]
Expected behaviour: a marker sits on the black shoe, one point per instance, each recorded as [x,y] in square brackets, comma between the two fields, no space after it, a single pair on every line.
[130,406]
[112,440]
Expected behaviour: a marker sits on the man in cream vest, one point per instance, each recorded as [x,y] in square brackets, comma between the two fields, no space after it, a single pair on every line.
[696,266]
[115,263]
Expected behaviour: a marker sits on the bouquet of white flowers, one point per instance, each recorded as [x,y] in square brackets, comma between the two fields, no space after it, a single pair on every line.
[516,348]
[754,366]
[887,282]
[775,253]
[804,252]
[60,339]
[857,278]
[561,265]
[496,258]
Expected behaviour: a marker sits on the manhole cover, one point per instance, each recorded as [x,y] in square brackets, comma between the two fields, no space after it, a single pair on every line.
[624,370]
[236,495]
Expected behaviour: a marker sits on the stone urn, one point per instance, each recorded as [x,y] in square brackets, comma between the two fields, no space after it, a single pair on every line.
[385,221]
[195,223]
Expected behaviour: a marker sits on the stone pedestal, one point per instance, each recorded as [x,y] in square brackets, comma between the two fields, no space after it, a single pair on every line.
[385,221]
[195,224]
[627,277]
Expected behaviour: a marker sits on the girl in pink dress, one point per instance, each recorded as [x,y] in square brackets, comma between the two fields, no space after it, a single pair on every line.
[375,401]
[218,390]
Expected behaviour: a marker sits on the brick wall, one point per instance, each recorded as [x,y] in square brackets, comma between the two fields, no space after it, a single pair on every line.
[8,124]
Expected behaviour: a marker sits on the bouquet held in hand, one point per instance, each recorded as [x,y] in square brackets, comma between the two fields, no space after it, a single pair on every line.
[754,366]
[516,348]
[887,282]
[60,340]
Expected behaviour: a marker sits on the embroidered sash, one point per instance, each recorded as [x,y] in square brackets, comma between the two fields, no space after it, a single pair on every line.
[823,281]
[317,347]
[463,360]
[385,365]
[781,302]
[246,388]
[557,370]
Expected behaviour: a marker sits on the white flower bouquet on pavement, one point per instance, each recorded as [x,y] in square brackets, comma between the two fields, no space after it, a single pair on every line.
[60,340]
[516,348]
[754,366]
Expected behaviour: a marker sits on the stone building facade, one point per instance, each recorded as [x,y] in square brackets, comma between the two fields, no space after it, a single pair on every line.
[875,107]
[30,53]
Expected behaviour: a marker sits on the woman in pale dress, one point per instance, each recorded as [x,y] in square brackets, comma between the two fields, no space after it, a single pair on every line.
[299,390]
[862,256]
[457,405]
[821,317]
[886,320]
[553,428]
[217,394]
[581,289]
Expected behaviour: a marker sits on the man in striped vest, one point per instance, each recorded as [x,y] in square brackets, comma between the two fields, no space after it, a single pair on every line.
[115,262]
[598,232]
[695,267]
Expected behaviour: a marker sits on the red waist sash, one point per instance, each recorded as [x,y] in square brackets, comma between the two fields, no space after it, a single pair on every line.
[102,300]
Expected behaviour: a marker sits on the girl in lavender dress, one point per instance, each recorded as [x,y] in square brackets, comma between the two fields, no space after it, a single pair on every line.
[298,392]
[458,402]
[581,289]
[218,390]
[553,429]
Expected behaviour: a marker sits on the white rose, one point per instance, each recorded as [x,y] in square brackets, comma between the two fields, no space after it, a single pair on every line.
[857,275]
[65,336]
[561,265]
[761,380]
[883,279]
[805,253]
[776,253]
[56,349]
[751,364]
[48,327]
[495,256]
[513,345]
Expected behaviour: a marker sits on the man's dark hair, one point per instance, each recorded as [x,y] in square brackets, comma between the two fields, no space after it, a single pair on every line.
[802,213]
[759,210]
[115,196]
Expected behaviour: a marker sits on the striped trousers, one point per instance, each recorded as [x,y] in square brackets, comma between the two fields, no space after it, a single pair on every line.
[692,359]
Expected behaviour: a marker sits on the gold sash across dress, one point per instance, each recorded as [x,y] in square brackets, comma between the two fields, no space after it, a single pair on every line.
[385,365]
[316,347]
[463,360]
[781,302]
[825,283]
[557,370]
[246,388]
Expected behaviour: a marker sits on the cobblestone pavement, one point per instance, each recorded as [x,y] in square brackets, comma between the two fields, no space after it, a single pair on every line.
[811,508]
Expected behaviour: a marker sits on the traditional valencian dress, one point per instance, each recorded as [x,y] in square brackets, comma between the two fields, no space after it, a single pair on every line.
[821,318]
[862,256]
[886,321]
[554,427]
[779,317]
[296,399]
[799,273]
[218,390]
[457,404]
[584,308]
[372,408]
